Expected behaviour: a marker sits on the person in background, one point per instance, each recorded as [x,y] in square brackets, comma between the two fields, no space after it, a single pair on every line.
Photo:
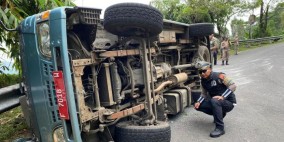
[236,43]
[217,97]
[225,46]
[221,47]
[214,46]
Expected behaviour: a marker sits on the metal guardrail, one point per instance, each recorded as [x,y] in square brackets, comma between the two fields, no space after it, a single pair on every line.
[260,40]
[9,97]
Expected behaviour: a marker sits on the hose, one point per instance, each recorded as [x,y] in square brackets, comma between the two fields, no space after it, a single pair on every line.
[131,76]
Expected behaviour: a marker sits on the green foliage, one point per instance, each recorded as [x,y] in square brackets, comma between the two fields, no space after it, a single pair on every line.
[197,11]
[3,68]
[14,11]
[275,24]
[9,79]
[238,28]
[169,8]
[255,32]
[220,12]
[190,11]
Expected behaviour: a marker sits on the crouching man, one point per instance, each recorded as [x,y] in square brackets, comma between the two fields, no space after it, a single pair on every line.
[217,96]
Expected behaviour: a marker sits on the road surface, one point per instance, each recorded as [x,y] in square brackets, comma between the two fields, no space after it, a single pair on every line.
[259,114]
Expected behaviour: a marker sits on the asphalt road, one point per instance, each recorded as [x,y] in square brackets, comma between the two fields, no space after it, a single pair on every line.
[259,114]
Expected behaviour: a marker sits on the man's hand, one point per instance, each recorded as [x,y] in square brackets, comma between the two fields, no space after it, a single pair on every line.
[196,105]
[219,97]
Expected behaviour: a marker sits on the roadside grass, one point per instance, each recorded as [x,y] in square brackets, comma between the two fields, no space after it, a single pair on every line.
[13,125]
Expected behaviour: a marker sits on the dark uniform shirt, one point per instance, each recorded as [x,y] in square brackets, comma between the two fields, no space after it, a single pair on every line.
[215,87]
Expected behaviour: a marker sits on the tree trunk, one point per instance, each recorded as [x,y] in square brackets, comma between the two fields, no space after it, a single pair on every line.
[261,30]
[266,20]
[219,30]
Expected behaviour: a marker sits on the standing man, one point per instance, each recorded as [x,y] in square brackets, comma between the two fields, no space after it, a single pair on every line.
[214,46]
[225,46]
[236,43]
[217,97]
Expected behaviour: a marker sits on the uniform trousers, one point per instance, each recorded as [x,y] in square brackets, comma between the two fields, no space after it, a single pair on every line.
[217,108]
[214,54]
[225,56]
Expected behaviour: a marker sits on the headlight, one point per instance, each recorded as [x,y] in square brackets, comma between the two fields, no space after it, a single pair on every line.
[58,135]
[44,39]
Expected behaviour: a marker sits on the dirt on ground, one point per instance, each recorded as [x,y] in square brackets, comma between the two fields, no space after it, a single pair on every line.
[13,126]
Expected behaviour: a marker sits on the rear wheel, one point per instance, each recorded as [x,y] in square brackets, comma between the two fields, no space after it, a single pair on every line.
[129,132]
[204,53]
[133,19]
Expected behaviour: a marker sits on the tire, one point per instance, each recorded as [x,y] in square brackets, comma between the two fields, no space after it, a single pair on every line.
[133,19]
[201,29]
[204,53]
[128,132]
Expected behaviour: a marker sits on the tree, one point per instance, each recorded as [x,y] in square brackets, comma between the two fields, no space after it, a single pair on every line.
[169,8]
[265,7]
[269,19]
[14,11]
[197,11]
[275,19]
[222,10]
[238,27]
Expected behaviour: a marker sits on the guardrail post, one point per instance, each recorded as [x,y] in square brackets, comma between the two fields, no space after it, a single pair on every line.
[247,45]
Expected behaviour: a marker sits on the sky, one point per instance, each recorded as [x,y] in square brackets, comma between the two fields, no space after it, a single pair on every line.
[103,4]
